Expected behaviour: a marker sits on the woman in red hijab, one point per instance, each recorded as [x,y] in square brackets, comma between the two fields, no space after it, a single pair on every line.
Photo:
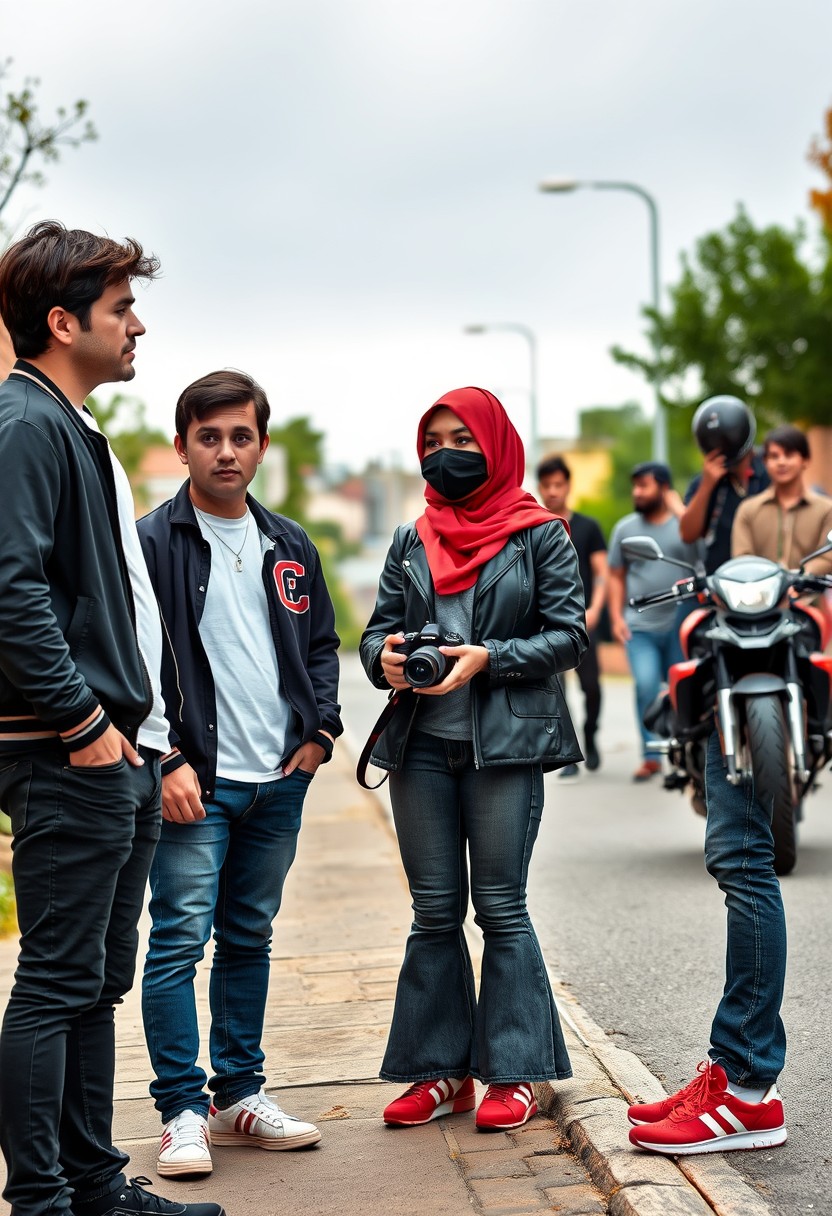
[478,722]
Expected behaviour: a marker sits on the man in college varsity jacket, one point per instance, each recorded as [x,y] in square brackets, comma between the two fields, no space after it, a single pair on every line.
[250,679]
[82,725]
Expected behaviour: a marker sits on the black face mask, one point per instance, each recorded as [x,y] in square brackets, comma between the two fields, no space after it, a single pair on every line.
[454,474]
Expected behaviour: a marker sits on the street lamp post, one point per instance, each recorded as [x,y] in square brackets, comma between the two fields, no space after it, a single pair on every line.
[559,185]
[528,334]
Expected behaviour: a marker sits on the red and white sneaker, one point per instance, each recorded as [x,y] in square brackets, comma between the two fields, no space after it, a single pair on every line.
[654,1112]
[426,1100]
[505,1107]
[706,1118]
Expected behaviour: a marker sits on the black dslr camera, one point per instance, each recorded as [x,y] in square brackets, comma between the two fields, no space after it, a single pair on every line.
[425,664]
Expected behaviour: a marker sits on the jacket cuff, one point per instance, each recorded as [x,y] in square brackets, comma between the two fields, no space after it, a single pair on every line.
[172,761]
[82,736]
[325,742]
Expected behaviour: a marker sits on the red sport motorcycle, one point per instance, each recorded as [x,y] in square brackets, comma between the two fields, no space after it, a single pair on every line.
[753,666]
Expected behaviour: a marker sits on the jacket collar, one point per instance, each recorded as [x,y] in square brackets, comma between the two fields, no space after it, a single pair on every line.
[770,495]
[415,559]
[27,372]
[23,370]
[182,512]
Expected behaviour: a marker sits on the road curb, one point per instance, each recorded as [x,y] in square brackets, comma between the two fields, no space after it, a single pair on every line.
[591,1112]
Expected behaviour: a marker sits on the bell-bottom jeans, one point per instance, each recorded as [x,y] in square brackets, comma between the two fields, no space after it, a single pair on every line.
[83,843]
[227,871]
[747,1036]
[445,808]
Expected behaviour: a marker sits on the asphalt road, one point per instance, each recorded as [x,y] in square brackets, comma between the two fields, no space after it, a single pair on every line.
[631,921]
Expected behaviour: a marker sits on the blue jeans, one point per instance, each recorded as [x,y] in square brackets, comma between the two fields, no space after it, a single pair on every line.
[650,655]
[443,805]
[747,1036]
[83,842]
[228,870]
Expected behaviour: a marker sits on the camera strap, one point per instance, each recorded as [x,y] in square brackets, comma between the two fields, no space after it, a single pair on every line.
[375,734]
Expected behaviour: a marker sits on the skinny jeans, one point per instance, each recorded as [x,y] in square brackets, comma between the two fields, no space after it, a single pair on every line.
[225,871]
[448,814]
[83,843]
[747,1036]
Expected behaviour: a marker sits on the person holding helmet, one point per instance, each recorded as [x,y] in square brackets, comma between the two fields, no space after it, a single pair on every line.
[733,1101]
[724,428]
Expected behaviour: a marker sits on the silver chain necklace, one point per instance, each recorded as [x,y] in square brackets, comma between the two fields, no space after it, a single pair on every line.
[238,556]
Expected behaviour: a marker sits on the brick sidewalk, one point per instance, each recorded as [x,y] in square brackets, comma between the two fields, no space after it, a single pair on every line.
[338,945]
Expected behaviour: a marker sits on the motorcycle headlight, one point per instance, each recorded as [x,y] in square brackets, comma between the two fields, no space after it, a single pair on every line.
[751,597]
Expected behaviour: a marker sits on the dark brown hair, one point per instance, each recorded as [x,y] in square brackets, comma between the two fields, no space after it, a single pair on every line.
[216,390]
[55,267]
[551,465]
[789,438]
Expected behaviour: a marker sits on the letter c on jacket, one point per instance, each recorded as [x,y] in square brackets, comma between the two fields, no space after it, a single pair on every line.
[286,575]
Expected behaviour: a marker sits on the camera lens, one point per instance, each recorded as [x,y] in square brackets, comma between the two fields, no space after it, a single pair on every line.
[426,666]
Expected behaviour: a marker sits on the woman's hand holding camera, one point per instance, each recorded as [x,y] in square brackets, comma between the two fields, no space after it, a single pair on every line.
[392,663]
[470,660]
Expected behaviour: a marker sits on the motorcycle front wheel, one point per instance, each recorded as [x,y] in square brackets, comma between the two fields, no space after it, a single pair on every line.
[770,754]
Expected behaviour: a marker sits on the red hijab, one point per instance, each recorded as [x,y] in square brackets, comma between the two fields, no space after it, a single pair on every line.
[461,536]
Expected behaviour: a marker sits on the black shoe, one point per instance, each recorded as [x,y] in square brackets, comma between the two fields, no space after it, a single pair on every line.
[568,771]
[132,1197]
[593,759]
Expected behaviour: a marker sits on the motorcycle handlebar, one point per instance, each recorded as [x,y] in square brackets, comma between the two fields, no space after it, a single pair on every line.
[661,597]
[813,582]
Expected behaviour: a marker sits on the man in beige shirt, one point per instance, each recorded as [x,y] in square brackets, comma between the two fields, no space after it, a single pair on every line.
[786,521]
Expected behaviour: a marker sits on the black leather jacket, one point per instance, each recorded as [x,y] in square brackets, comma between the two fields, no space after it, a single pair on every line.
[528,611]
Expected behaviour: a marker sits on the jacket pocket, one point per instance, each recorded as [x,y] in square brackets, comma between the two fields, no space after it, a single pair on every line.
[79,625]
[533,701]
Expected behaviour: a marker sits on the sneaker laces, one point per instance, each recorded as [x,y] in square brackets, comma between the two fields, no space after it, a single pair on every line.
[150,1203]
[418,1088]
[188,1127]
[264,1108]
[693,1098]
[501,1093]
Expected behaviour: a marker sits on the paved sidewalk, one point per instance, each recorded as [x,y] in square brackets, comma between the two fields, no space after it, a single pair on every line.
[338,944]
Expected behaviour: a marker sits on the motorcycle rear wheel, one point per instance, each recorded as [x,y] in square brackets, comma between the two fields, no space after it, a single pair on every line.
[770,754]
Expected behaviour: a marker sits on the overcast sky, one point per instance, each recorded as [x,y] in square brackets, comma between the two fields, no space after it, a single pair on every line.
[336,187]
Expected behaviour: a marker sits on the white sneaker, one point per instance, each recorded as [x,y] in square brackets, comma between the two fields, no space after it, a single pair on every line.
[185,1146]
[258,1120]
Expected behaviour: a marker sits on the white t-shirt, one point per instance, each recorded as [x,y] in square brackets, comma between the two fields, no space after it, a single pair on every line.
[153,732]
[252,716]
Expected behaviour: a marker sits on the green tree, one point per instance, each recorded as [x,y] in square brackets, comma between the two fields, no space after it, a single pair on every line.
[124,421]
[750,316]
[304,455]
[25,138]
[627,434]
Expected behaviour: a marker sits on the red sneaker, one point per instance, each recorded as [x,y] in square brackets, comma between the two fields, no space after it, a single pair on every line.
[505,1107]
[654,1112]
[428,1100]
[707,1118]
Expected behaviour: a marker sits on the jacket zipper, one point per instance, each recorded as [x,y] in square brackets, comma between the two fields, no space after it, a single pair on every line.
[478,590]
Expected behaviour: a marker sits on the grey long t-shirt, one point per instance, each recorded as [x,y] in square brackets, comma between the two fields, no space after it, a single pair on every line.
[645,577]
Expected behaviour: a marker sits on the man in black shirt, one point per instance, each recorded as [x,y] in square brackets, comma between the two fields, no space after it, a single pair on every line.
[554,483]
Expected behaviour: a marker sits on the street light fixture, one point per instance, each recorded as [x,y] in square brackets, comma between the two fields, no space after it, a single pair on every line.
[528,334]
[565,185]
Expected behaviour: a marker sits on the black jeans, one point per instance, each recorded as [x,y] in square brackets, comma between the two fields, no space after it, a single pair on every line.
[83,843]
[589,678]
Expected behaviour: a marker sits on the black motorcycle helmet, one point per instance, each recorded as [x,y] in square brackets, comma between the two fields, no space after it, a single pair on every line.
[725,424]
